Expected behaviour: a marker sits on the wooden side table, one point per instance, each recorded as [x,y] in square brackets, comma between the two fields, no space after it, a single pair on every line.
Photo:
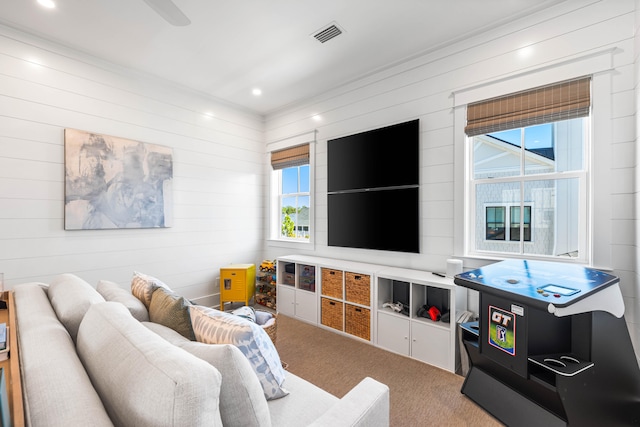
[11,365]
[237,283]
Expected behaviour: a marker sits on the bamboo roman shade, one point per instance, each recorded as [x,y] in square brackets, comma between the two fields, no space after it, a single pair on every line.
[290,157]
[560,101]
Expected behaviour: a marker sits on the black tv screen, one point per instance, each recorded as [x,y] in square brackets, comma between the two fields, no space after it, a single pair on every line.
[385,157]
[373,180]
[377,219]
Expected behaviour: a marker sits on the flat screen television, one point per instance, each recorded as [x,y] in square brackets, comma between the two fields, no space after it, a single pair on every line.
[385,157]
[373,189]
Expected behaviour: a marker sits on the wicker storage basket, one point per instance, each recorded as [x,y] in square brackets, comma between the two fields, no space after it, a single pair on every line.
[331,313]
[332,283]
[358,321]
[357,288]
[272,329]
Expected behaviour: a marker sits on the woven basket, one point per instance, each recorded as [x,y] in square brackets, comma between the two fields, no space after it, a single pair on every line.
[272,329]
[331,313]
[357,288]
[358,321]
[332,283]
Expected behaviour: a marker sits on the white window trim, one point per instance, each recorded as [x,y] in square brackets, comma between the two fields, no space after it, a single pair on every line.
[599,65]
[472,214]
[273,221]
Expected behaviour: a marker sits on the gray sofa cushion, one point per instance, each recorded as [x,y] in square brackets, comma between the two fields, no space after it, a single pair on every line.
[111,291]
[71,297]
[144,380]
[57,391]
[304,404]
[242,402]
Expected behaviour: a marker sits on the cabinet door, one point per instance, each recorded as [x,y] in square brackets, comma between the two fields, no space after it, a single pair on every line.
[431,344]
[286,300]
[393,333]
[306,306]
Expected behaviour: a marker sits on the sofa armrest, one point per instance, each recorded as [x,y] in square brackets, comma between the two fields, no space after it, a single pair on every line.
[367,404]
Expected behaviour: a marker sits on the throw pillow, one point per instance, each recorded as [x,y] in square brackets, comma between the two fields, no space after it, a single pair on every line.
[212,326]
[142,287]
[247,312]
[172,311]
[113,292]
[71,297]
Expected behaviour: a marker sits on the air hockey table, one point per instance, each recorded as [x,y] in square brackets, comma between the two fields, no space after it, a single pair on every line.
[551,346]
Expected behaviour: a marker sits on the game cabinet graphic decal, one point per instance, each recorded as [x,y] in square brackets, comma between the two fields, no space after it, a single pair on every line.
[502,330]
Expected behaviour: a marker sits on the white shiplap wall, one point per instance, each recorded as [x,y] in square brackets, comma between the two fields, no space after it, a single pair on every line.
[218,172]
[553,43]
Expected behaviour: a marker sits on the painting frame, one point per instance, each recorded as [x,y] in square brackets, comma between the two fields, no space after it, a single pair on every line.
[115,183]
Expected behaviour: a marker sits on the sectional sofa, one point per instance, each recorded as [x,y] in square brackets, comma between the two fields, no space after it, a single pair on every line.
[106,356]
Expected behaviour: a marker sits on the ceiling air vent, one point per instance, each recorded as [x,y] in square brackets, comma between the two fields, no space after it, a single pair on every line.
[328,33]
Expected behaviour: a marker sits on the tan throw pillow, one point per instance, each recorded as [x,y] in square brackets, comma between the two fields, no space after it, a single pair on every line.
[113,292]
[172,311]
[143,285]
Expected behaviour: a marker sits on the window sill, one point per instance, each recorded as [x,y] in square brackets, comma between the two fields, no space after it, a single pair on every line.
[473,261]
[290,244]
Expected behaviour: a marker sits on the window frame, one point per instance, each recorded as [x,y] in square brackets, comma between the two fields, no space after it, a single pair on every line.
[584,246]
[297,195]
[274,209]
[596,63]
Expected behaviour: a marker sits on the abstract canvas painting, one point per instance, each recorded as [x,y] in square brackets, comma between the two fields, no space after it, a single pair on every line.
[114,182]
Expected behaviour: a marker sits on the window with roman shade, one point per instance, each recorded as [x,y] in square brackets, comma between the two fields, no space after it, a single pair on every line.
[291,217]
[528,153]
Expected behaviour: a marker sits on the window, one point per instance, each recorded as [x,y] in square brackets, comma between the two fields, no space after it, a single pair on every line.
[291,194]
[495,223]
[496,220]
[527,182]
[294,202]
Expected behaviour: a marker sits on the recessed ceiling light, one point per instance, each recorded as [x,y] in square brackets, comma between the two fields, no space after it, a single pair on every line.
[257,92]
[316,117]
[49,4]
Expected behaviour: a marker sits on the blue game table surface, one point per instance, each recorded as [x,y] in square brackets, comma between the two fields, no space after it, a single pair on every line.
[537,283]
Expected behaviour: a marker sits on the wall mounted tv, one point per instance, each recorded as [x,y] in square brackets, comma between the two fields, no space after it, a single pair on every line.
[373,189]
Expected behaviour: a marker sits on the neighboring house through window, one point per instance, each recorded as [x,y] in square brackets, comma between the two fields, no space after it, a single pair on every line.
[527,182]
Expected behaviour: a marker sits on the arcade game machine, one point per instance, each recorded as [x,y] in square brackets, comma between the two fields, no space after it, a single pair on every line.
[551,346]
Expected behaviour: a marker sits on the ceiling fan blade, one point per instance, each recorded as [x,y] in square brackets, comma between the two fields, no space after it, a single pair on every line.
[169,11]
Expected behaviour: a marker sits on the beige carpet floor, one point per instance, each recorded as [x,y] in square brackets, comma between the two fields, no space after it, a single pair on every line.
[420,395]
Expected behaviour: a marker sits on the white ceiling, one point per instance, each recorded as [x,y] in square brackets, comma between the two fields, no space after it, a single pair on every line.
[233,46]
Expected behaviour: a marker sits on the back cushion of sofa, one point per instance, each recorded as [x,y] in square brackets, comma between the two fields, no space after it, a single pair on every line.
[242,402]
[111,291]
[57,390]
[71,297]
[142,379]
